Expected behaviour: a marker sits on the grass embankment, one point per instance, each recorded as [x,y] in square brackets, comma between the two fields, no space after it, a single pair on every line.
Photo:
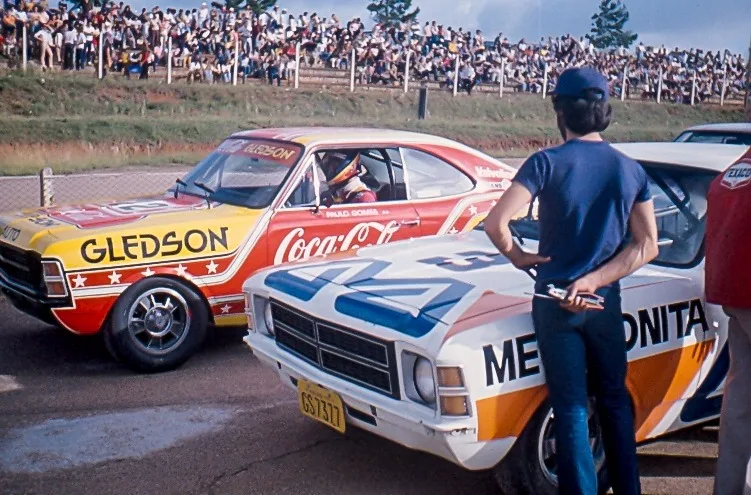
[72,122]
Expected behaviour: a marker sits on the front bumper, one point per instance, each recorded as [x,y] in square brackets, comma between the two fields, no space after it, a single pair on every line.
[30,303]
[453,440]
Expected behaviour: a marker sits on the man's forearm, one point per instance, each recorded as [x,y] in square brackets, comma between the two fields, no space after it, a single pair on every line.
[633,257]
[503,241]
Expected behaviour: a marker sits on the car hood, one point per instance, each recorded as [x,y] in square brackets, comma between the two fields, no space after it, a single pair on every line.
[416,289]
[67,232]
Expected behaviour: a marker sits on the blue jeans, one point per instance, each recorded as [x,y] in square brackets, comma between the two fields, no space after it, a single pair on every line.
[585,355]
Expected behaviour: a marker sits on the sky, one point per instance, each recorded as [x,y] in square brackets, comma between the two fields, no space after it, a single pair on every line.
[706,24]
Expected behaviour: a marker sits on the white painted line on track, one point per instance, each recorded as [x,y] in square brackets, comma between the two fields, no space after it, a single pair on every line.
[8,384]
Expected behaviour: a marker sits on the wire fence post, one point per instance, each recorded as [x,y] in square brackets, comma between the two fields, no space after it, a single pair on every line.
[297,65]
[46,189]
[25,53]
[724,84]
[624,82]
[169,60]
[659,86]
[101,54]
[237,59]
[545,81]
[503,75]
[406,72]
[456,75]
[693,89]
[352,72]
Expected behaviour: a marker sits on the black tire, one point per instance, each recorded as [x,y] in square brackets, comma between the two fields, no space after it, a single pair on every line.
[522,472]
[173,306]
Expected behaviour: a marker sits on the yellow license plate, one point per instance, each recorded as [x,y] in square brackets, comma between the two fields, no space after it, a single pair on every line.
[321,404]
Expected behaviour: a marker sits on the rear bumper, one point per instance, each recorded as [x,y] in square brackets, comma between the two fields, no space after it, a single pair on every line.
[453,440]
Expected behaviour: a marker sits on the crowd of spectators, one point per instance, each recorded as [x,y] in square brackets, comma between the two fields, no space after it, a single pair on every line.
[207,40]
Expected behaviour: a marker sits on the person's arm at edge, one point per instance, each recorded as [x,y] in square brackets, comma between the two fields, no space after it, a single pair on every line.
[641,250]
[497,226]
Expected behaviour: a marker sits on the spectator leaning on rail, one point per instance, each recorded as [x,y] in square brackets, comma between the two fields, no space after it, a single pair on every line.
[728,272]
[590,197]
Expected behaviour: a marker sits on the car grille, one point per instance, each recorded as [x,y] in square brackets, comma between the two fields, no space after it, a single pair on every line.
[22,268]
[358,358]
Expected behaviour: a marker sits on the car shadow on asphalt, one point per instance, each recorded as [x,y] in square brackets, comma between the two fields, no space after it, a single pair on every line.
[31,347]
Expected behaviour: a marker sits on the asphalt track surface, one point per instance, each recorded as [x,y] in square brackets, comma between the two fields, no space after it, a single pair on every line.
[74,422]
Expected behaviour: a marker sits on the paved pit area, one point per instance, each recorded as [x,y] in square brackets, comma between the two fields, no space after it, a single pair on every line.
[74,422]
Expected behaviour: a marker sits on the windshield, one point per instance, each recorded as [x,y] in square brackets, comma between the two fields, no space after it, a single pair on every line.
[243,172]
[741,138]
[680,198]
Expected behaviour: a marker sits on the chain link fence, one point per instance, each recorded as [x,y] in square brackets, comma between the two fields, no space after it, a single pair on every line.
[48,189]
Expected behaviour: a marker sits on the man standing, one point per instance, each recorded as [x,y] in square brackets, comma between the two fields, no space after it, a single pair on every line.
[728,272]
[590,197]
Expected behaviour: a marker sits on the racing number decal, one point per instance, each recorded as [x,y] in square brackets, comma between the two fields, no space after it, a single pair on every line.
[376,300]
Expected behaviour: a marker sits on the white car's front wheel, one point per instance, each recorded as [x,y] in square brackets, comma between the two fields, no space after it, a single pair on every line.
[531,466]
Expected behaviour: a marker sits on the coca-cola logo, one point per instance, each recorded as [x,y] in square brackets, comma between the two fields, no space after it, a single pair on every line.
[295,247]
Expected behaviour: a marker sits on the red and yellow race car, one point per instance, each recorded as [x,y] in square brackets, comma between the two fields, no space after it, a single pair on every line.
[152,274]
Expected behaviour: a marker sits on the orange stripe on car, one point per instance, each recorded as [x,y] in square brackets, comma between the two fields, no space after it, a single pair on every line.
[506,415]
[657,381]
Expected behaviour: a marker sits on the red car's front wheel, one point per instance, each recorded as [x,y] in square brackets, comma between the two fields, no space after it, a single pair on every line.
[156,325]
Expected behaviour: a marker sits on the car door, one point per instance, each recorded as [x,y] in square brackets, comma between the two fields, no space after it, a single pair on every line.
[303,228]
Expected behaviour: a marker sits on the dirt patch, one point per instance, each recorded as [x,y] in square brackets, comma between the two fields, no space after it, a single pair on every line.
[162,98]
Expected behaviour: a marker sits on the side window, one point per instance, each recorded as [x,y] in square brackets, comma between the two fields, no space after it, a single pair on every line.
[431,177]
[304,195]
[380,171]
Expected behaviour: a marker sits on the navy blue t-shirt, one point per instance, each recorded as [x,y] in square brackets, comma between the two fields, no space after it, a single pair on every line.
[586,190]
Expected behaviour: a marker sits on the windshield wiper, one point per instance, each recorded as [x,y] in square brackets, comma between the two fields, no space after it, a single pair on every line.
[179,182]
[209,191]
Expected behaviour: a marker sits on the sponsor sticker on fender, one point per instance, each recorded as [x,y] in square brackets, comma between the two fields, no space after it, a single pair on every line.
[294,246]
[738,175]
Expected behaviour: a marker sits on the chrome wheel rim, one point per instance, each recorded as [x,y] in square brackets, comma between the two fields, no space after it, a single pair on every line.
[546,446]
[158,321]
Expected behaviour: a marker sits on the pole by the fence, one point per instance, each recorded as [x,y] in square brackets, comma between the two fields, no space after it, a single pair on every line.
[545,81]
[25,56]
[46,190]
[406,72]
[724,84]
[237,59]
[503,74]
[693,89]
[624,82]
[169,60]
[352,72]
[297,65]
[659,86]
[101,54]
[456,75]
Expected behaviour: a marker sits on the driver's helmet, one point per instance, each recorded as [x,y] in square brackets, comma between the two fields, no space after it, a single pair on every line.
[339,167]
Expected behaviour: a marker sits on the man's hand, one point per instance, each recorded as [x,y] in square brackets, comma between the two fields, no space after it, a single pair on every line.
[584,286]
[523,259]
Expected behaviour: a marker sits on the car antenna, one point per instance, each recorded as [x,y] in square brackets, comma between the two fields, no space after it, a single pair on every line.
[207,190]
[179,182]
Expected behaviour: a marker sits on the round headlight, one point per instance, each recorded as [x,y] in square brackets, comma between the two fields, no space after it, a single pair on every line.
[424,382]
[268,318]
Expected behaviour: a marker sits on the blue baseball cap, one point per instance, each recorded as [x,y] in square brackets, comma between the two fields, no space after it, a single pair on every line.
[576,81]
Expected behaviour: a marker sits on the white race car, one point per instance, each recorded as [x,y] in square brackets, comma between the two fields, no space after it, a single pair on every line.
[429,342]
